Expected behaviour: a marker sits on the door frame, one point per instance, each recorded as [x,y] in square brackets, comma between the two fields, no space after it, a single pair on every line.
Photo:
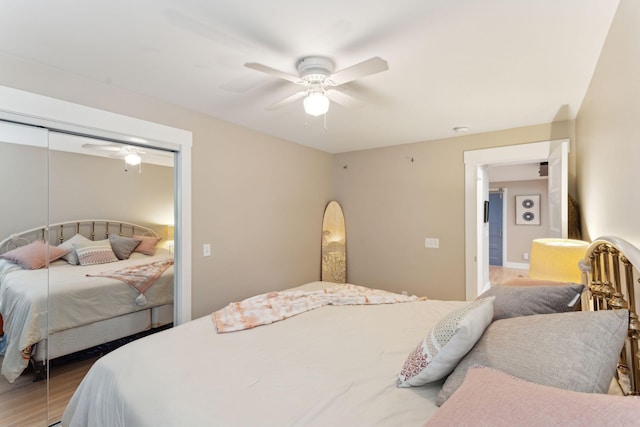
[37,110]
[477,190]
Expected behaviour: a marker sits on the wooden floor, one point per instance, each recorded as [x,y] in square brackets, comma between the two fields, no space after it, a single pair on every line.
[498,275]
[24,403]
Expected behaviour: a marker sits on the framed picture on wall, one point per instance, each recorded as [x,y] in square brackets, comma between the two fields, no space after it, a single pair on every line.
[528,209]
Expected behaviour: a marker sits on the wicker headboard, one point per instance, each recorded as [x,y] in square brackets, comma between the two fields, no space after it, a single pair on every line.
[612,275]
[59,232]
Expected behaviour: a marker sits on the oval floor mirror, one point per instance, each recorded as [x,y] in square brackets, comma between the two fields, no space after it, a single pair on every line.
[334,245]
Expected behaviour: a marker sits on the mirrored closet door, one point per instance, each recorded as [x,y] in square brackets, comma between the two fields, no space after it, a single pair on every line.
[101,214]
[24,205]
[112,205]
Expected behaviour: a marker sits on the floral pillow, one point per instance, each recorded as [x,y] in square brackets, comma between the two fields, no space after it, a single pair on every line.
[446,344]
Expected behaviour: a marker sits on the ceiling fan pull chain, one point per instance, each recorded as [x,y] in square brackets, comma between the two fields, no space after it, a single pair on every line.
[325,122]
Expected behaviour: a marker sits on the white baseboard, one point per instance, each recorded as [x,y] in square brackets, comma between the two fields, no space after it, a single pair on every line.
[522,265]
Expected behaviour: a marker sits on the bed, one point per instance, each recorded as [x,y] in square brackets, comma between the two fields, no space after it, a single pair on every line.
[63,308]
[340,354]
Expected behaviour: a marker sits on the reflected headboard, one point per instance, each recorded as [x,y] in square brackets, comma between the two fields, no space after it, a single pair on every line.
[59,232]
[612,274]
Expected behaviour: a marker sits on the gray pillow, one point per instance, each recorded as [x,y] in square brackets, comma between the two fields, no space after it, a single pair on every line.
[575,351]
[72,256]
[514,301]
[123,246]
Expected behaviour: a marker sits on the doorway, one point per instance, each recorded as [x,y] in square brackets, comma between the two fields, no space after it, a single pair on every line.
[477,192]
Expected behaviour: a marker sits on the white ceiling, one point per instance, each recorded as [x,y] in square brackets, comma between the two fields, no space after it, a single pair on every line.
[487,65]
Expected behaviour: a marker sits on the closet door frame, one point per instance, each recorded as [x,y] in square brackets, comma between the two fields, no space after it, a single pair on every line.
[36,110]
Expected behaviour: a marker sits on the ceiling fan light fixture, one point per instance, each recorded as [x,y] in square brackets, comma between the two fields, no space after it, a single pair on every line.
[132,159]
[316,104]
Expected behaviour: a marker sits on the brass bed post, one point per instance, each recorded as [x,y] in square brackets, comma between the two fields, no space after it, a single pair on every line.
[634,326]
[616,299]
[93,231]
[606,276]
[596,281]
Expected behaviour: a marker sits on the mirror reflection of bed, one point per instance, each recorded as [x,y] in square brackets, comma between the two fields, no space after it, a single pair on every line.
[86,186]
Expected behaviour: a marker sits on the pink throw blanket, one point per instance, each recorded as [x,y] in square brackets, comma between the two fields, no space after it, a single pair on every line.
[140,277]
[274,306]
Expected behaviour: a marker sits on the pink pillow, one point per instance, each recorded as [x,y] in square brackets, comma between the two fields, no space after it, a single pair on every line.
[34,255]
[490,397]
[147,244]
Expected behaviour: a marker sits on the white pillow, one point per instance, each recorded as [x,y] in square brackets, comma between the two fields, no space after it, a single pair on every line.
[446,344]
[72,256]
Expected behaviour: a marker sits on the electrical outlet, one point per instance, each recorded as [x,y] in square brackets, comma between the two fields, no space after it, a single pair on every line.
[206,249]
[525,256]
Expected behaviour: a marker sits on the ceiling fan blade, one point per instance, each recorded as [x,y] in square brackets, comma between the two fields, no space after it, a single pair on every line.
[288,100]
[343,99]
[102,147]
[362,69]
[272,71]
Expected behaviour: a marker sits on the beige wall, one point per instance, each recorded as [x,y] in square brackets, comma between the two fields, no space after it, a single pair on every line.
[81,187]
[519,237]
[23,195]
[609,136]
[257,200]
[392,203]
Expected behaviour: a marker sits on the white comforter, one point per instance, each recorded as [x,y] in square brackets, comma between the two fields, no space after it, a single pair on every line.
[73,300]
[336,365]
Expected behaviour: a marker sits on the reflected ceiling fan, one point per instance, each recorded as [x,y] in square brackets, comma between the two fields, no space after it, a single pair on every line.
[321,83]
[130,154]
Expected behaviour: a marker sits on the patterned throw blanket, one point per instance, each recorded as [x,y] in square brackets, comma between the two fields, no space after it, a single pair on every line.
[274,306]
[140,277]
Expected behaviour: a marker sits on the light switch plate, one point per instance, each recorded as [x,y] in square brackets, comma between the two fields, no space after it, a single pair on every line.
[432,242]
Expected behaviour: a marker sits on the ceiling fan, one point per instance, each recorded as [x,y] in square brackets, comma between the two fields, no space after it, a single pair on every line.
[320,82]
[129,153]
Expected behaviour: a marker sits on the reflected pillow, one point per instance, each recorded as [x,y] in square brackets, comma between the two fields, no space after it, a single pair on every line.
[34,255]
[72,257]
[514,301]
[123,246]
[492,398]
[98,252]
[576,351]
[147,244]
[446,344]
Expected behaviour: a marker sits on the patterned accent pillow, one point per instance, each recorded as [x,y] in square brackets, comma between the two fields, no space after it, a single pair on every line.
[446,344]
[35,255]
[99,252]
[147,244]
[72,257]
